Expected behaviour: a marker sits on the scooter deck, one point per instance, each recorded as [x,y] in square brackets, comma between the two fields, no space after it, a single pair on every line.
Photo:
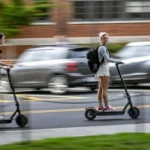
[5,121]
[106,113]
[109,113]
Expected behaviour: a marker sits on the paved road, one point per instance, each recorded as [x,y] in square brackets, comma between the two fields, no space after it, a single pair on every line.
[54,111]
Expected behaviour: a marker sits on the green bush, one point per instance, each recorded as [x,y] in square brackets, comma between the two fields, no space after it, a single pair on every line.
[13,16]
[112,47]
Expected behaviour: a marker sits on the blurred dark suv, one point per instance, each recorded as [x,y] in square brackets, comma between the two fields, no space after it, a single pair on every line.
[53,67]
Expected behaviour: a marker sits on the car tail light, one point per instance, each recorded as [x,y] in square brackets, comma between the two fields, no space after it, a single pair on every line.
[71,66]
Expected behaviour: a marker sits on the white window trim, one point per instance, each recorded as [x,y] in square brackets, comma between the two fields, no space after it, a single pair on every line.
[75,40]
[104,22]
[43,23]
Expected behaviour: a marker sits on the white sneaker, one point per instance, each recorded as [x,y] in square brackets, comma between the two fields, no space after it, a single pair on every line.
[1,117]
[109,108]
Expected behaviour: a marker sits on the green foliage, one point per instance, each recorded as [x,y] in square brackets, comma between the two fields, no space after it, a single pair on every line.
[112,47]
[13,16]
[42,10]
[18,2]
[16,14]
[1,6]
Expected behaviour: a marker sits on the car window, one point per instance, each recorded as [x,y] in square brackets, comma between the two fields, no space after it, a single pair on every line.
[133,51]
[146,51]
[55,54]
[78,53]
[41,55]
[30,56]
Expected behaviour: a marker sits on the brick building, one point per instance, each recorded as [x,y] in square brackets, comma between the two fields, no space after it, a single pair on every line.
[81,21]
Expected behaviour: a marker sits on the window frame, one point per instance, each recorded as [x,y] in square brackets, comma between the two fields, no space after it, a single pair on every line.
[125,17]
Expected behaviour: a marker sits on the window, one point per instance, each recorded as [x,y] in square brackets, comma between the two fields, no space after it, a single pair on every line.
[97,10]
[79,53]
[42,11]
[41,55]
[138,9]
[55,54]
[30,56]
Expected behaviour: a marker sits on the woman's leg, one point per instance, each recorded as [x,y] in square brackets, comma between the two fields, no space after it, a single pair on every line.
[100,93]
[105,83]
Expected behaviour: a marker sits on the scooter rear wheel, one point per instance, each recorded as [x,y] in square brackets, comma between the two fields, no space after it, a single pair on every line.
[21,120]
[90,114]
[134,114]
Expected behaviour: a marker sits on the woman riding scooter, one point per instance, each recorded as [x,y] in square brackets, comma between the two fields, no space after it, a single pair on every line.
[103,72]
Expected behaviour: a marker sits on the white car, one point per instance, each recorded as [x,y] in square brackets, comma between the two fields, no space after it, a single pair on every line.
[136,67]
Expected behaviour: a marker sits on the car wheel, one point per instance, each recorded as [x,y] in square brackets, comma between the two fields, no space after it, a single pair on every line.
[58,84]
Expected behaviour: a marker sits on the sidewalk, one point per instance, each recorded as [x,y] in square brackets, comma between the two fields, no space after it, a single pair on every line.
[7,137]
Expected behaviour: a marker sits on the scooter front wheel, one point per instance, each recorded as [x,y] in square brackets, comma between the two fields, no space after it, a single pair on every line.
[134,113]
[90,114]
[21,120]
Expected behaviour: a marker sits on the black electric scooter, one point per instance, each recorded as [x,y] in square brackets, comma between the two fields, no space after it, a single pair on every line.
[21,120]
[133,112]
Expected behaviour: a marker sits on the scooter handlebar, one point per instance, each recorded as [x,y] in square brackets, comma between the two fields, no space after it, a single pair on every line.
[119,63]
[7,68]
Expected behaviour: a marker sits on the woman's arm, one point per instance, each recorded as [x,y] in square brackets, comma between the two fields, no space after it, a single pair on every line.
[3,64]
[102,49]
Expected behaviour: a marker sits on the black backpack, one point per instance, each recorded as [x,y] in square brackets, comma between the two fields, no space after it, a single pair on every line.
[93,61]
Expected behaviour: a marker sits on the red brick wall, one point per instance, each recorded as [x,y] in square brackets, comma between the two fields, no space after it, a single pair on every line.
[37,31]
[13,52]
[126,29]
[74,30]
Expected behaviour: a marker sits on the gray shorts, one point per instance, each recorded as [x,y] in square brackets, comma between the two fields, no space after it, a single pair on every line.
[103,70]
